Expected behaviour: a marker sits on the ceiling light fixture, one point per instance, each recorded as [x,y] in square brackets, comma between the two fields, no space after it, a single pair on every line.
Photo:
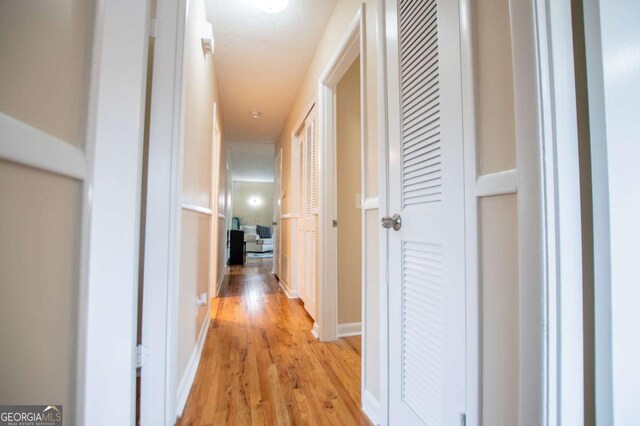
[271,6]
[255,114]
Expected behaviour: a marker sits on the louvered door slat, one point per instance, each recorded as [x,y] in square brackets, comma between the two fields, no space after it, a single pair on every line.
[422,345]
[428,145]
[422,49]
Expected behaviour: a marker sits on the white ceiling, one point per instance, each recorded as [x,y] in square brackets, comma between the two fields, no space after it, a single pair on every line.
[260,61]
[252,162]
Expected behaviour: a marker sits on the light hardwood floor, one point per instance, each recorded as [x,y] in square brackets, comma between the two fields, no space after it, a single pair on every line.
[262,366]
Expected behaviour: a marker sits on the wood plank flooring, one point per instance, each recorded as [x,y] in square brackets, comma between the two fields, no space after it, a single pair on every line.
[261,365]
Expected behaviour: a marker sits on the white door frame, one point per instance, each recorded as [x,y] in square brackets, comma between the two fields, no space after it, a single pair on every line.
[277,212]
[473,322]
[164,211]
[112,195]
[549,231]
[383,210]
[350,47]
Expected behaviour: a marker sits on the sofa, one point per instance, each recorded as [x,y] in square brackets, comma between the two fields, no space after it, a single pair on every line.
[256,244]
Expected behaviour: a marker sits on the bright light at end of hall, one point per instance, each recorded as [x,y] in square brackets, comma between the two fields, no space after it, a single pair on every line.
[271,6]
[255,201]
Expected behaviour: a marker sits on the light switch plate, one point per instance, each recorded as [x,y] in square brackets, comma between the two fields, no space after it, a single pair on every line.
[358,201]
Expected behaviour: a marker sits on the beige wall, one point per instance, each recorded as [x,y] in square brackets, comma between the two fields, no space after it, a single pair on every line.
[499,282]
[349,184]
[340,20]
[250,214]
[498,216]
[45,52]
[39,261]
[44,64]
[198,159]
[201,93]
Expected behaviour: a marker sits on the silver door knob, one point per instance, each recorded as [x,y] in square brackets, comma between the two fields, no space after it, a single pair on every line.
[392,222]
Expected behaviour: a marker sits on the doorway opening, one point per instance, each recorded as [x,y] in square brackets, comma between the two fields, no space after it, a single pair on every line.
[342,137]
[349,202]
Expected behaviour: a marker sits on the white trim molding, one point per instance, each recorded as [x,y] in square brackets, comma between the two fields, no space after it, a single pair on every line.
[106,366]
[500,183]
[291,294]
[350,329]
[192,367]
[383,210]
[314,330]
[219,284]
[26,145]
[563,315]
[473,321]
[371,203]
[371,407]
[197,209]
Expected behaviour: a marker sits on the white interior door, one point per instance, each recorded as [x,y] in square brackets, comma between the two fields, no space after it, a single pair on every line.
[276,213]
[308,213]
[426,254]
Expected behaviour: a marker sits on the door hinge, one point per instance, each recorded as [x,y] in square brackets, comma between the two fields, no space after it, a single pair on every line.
[463,419]
[153,28]
[142,356]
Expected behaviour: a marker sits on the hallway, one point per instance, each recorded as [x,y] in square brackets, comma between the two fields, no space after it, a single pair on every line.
[262,366]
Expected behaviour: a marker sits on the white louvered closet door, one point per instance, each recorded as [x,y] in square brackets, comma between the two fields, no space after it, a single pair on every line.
[308,214]
[426,255]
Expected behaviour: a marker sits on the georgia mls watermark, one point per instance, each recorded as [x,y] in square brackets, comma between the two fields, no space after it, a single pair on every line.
[30,415]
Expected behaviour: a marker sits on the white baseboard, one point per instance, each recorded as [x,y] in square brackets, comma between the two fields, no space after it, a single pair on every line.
[371,407]
[192,367]
[314,330]
[285,287]
[219,285]
[350,329]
